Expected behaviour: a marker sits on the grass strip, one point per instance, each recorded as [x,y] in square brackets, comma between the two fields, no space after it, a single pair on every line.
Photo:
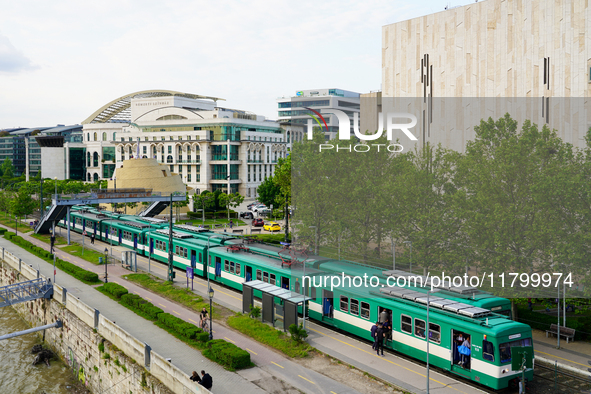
[47,239]
[166,289]
[268,335]
[90,255]
[81,274]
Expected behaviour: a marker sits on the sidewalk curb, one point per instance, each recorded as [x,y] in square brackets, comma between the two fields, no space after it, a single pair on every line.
[563,366]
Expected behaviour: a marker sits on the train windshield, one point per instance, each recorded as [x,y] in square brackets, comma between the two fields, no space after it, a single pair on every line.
[505,348]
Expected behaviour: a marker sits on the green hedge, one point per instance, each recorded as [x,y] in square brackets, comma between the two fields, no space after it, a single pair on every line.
[210,215]
[115,289]
[227,354]
[276,238]
[2,230]
[74,270]
[137,302]
[183,328]
[542,321]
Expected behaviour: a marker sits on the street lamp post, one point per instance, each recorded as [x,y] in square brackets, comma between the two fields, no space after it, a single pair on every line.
[410,243]
[106,263]
[16,223]
[210,313]
[427,334]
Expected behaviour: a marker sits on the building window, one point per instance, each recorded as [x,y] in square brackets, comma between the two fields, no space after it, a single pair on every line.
[189,177]
[104,136]
[95,135]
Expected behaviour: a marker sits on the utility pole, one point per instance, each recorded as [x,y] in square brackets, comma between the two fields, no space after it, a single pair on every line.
[170,266]
[286,220]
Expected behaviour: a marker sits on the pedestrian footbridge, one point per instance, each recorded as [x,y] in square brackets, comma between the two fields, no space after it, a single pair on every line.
[61,203]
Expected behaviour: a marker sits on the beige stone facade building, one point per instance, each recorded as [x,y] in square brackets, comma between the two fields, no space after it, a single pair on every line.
[539,50]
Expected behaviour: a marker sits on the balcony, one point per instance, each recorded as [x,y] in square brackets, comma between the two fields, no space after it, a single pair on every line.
[188,161]
[255,161]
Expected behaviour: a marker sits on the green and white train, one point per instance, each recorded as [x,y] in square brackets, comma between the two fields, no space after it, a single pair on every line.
[454,313]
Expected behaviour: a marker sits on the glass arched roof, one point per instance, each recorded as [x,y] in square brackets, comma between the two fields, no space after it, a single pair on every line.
[118,110]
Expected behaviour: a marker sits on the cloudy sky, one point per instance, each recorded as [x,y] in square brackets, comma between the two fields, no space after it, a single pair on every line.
[62,60]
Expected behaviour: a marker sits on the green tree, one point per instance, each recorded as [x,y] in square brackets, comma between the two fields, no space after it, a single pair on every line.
[230,200]
[7,169]
[22,203]
[512,183]
[268,191]
[203,201]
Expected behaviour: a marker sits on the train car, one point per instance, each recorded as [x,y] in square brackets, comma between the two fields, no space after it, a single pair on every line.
[188,251]
[355,310]
[469,295]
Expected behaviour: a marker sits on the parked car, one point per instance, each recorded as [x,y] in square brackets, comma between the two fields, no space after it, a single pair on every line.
[246,215]
[258,223]
[272,226]
[259,207]
[252,205]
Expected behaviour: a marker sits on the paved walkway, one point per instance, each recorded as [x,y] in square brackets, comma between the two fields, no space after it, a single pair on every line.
[186,358]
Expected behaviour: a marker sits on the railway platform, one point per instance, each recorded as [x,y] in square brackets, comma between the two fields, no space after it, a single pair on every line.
[407,374]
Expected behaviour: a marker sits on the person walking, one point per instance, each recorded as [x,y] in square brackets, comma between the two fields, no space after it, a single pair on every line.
[231,224]
[92,239]
[380,339]
[206,380]
[374,329]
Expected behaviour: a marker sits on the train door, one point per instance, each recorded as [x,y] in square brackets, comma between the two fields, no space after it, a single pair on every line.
[385,317]
[461,351]
[218,266]
[285,283]
[83,225]
[120,234]
[135,241]
[248,273]
[95,229]
[193,259]
[327,304]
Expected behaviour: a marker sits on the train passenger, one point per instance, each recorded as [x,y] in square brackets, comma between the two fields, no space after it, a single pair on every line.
[384,316]
[458,340]
[374,329]
[466,353]
[380,334]
[387,328]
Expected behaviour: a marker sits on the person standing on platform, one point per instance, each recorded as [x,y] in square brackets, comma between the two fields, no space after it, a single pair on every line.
[374,329]
[380,339]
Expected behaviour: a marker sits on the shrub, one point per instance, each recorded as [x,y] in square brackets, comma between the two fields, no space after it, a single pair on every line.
[227,354]
[298,334]
[2,230]
[255,312]
[181,327]
[137,302]
[115,289]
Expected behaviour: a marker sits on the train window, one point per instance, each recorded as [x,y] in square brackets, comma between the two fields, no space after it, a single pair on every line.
[237,268]
[345,304]
[420,328]
[505,348]
[488,350]
[226,266]
[313,293]
[200,258]
[365,310]
[232,267]
[406,324]
[434,333]
[273,279]
[354,307]
[176,250]
[266,277]
[258,274]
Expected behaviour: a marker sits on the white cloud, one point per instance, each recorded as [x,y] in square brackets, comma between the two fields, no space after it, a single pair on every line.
[11,59]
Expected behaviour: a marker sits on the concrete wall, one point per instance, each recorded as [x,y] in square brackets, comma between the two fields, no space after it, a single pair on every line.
[77,342]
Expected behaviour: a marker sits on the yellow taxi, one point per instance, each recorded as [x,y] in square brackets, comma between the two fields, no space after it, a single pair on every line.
[272,226]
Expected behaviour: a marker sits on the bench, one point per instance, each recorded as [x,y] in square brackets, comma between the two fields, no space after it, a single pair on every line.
[219,225]
[568,333]
[240,231]
[255,230]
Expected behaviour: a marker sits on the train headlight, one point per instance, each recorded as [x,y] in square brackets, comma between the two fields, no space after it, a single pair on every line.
[505,370]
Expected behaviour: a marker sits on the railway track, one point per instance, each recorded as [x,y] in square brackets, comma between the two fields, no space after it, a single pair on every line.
[551,380]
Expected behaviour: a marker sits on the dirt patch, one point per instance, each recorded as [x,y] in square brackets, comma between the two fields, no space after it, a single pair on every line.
[276,386]
[354,378]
